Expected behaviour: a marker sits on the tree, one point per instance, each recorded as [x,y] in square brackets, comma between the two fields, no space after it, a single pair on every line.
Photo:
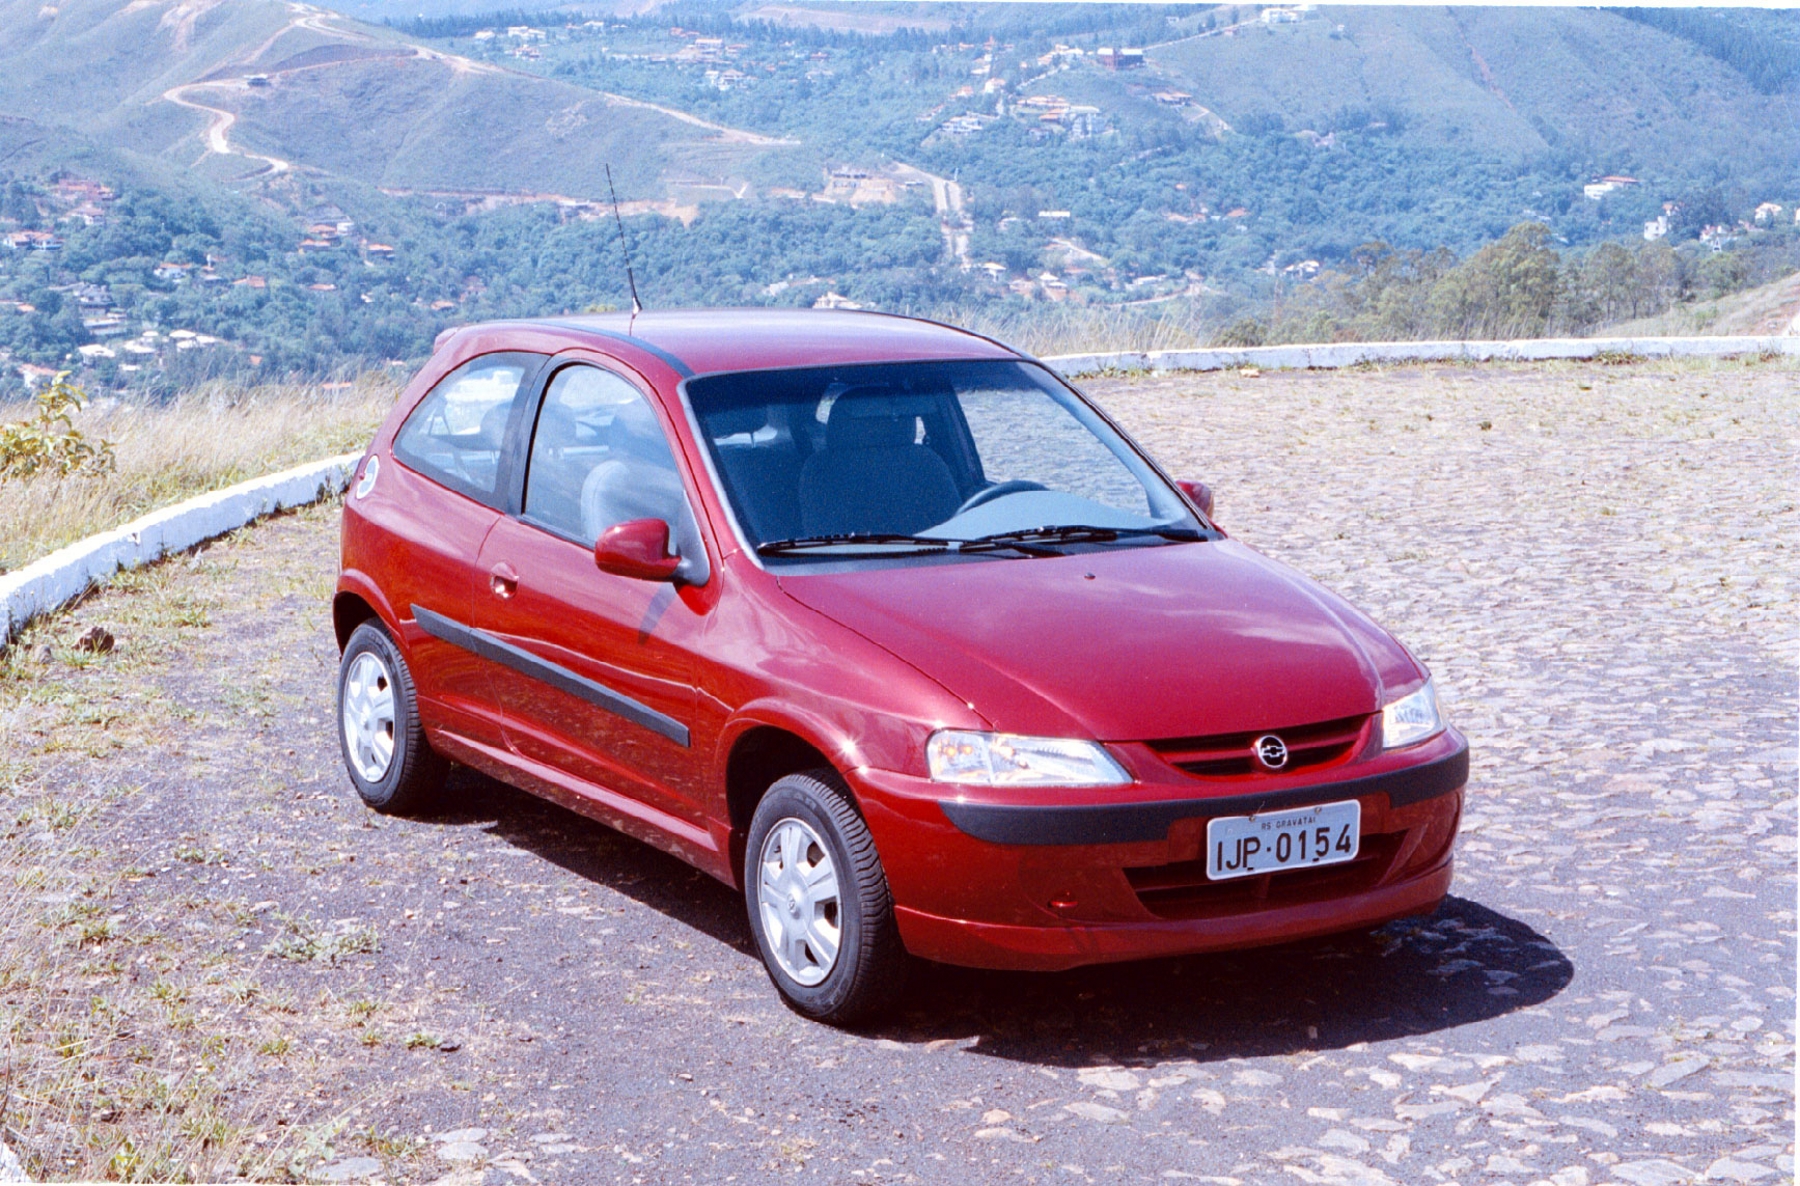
[1506,290]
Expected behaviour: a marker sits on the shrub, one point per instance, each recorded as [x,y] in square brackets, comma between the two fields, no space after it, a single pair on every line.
[49,439]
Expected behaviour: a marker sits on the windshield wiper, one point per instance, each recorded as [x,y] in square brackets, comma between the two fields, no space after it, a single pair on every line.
[850,539]
[879,542]
[1083,533]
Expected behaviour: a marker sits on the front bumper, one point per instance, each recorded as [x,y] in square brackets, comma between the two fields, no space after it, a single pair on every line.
[986,881]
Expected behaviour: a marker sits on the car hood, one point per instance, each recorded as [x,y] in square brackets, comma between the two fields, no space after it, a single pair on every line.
[1123,644]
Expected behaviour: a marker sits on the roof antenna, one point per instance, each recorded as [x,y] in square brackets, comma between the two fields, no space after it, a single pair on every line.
[625,248]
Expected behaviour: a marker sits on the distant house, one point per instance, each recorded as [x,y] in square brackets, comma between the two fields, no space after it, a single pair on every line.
[1768,212]
[833,300]
[172,272]
[1119,59]
[1054,215]
[258,282]
[961,125]
[1656,228]
[1595,190]
[32,241]
[1280,16]
[378,251]
[107,325]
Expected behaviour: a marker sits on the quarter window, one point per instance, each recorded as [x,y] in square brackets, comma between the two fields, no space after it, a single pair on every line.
[456,434]
[599,458]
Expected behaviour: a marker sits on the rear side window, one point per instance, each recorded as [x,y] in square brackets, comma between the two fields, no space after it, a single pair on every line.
[456,434]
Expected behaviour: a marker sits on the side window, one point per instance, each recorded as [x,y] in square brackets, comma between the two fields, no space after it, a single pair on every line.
[599,458]
[456,433]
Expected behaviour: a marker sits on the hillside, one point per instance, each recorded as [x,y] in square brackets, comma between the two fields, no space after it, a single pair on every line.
[254,89]
[1769,309]
[1510,83]
[298,192]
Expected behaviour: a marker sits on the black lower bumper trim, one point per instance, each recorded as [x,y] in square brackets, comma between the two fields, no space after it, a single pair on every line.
[1127,823]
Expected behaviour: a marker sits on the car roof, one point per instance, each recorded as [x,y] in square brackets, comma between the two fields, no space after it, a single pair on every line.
[703,341]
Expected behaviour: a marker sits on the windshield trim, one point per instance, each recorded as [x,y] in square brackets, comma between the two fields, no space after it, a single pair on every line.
[749,550]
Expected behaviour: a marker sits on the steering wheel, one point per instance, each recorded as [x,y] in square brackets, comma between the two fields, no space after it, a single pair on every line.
[998,490]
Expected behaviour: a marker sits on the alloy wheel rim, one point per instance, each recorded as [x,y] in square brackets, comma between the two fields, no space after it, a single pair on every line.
[369,717]
[797,896]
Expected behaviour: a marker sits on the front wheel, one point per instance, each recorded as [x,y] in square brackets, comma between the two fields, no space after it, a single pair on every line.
[819,902]
[391,764]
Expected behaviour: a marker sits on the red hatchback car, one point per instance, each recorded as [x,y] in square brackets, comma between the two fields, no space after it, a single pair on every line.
[887,625]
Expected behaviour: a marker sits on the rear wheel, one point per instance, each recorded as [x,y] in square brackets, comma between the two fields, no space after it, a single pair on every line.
[391,764]
[819,902]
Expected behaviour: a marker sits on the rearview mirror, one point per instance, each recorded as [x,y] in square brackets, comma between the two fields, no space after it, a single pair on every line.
[638,549]
[1201,495]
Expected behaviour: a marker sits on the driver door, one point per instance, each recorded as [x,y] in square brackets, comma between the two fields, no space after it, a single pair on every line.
[596,676]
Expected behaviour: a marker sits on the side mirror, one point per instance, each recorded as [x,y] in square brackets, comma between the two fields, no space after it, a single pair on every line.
[1200,494]
[638,549]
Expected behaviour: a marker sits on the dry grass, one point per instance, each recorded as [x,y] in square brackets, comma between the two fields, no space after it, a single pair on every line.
[201,441]
[159,1043]
[1081,329]
[1770,309]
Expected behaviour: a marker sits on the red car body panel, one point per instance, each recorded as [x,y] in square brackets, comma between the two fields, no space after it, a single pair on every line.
[1151,650]
[1199,639]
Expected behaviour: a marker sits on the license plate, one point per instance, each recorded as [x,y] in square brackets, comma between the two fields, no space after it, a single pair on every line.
[1245,845]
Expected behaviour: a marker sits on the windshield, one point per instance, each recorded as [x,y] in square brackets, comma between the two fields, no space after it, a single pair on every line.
[921,455]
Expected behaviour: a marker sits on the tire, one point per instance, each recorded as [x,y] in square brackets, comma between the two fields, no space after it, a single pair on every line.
[389,761]
[801,821]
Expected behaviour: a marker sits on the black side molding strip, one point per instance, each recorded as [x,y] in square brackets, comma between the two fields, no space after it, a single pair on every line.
[1126,823]
[482,643]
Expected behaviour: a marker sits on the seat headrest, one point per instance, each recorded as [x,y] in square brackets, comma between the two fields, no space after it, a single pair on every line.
[730,422]
[635,431]
[869,419]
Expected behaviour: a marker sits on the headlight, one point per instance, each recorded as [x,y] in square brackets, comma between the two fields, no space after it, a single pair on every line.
[1411,719]
[1003,760]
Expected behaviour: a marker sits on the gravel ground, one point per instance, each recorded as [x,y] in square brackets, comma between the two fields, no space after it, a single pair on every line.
[218,962]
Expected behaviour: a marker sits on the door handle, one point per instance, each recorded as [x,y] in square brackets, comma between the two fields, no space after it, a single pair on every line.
[503,580]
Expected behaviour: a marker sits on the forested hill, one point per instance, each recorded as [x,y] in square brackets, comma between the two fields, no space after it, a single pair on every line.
[300,190]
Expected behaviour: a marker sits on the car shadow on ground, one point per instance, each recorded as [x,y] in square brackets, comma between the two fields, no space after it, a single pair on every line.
[1464,964]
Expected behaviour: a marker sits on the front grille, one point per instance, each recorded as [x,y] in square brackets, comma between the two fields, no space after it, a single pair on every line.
[1229,755]
[1181,891]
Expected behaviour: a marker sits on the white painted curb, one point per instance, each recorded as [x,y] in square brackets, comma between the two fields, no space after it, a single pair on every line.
[1343,354]
[10,1169]
[60,577]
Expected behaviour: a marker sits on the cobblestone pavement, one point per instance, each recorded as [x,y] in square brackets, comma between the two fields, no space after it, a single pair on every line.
[1597,562]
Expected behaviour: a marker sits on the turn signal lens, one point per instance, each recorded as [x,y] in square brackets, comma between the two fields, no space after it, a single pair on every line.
[1005,760]
[1411,719]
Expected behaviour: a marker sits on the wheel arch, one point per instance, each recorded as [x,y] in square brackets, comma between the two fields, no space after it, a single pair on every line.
[348,611]
[359,600]
[759,753]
